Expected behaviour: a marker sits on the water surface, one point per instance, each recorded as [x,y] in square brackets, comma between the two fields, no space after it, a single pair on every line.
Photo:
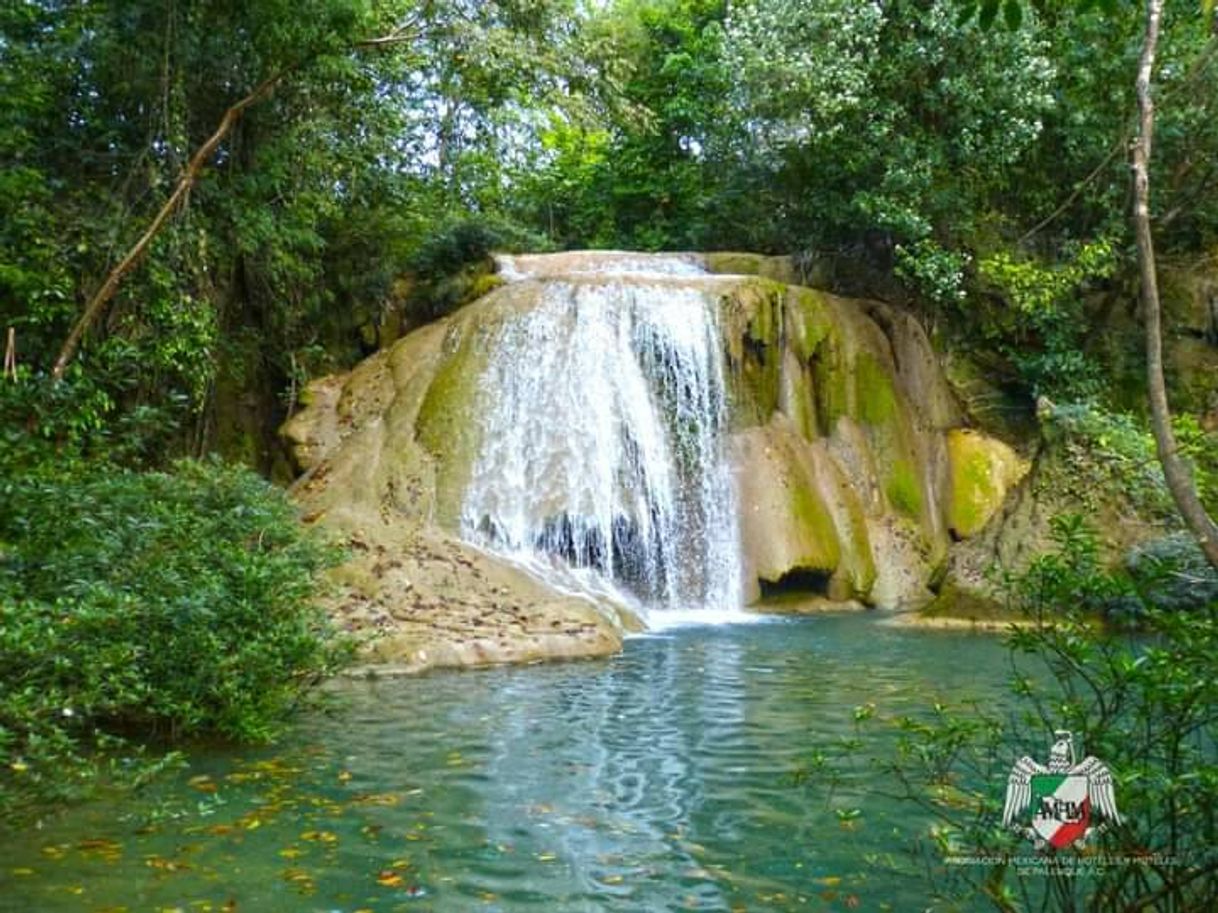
[658,780]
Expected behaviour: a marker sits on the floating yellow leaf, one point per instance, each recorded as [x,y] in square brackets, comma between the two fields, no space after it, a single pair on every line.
[21,871]
[546,857]
[327,837]
[382,799]
[165,865]
[389,879]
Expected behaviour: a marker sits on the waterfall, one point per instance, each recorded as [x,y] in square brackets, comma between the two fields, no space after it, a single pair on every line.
[603,465]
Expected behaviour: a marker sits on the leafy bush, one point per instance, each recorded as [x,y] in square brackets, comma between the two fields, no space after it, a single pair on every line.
[452,264]
[1041,325]
[153,604]
[466,241]
[1143,703]
[1172,573]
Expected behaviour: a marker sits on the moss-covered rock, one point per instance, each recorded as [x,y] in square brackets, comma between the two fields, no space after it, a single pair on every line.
[983,470]
[447,423]
[848,479]
[736,263]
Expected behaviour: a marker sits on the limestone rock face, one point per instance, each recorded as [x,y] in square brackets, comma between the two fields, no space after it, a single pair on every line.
[842,417]
[852,472]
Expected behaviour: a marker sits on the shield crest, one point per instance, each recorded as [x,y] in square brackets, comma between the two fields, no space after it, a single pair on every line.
[1061,807]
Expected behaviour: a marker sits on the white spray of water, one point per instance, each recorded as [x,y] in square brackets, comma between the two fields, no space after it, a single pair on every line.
[602,466]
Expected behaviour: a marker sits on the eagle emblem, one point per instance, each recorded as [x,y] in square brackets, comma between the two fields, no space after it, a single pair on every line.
[1065,797]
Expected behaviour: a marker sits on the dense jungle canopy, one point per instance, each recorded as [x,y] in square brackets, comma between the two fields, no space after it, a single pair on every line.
[900,149]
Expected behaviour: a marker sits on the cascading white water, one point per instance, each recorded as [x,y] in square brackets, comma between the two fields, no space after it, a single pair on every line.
[603,464]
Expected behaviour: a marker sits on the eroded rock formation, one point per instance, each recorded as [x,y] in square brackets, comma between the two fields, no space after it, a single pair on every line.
[851,470]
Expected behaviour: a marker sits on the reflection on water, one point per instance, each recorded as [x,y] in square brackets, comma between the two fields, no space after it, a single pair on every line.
[658,780]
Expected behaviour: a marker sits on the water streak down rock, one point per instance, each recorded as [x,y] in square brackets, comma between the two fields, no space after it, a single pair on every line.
[610,432]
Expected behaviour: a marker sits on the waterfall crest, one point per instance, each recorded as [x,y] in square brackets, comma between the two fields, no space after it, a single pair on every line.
[603,464]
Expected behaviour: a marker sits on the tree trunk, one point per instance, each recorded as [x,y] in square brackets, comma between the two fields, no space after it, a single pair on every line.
[1175,470]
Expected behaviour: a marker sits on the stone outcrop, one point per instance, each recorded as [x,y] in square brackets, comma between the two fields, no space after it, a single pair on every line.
[853,469]
[843,429]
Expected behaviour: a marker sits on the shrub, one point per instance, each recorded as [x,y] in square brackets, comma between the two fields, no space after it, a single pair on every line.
[153,604]
[1142,702]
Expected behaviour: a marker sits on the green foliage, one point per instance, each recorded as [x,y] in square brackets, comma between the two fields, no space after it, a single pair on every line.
[938,275]
[452,265]
[153,604]
[1040,323]
[300,223]
[1143,704]
[1111,451]
[1172,573]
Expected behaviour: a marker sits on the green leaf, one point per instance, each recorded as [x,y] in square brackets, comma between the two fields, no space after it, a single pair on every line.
[989,11]
[1012,12]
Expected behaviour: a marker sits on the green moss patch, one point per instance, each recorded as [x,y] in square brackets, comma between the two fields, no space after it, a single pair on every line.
[447,424]
[876,397]
[982,469]
[904,490]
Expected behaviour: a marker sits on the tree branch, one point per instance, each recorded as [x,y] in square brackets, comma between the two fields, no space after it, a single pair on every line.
[190,176]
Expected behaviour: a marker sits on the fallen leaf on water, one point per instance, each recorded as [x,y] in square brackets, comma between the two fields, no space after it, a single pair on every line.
[21,871]
[165,865]
[328,837]
[203,783]
[389,879]
[546,857]
[382,799]
[291,852]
